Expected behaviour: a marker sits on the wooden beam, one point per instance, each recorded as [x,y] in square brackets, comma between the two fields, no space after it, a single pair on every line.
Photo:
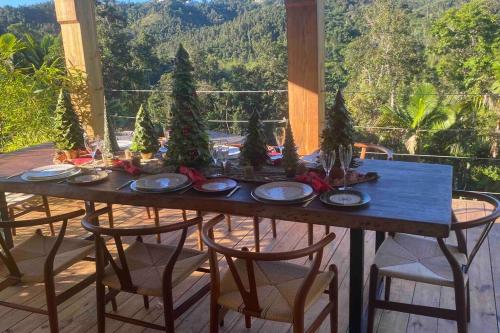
[78,30]
[306,79]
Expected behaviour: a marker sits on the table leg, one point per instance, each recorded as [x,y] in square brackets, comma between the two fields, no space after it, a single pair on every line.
[90,208]
[379,239]
[4,216]
[356,280]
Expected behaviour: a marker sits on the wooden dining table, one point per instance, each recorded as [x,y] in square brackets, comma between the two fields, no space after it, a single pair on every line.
[413,198]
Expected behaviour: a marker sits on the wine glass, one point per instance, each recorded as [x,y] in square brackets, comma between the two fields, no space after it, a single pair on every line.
[345,156]
[93,145]
[224,153]
[279,135]
[327,158]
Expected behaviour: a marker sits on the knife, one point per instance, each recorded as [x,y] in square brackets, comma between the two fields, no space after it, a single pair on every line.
[125,185]
[308,202]
[233,191]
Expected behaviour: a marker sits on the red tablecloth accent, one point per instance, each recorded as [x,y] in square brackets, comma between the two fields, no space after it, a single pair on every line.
[193,174]
[128,167]
[317,183]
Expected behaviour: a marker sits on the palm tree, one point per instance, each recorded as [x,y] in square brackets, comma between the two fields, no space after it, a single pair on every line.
[423,112]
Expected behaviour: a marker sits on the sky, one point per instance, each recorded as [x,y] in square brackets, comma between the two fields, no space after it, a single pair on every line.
[16,3]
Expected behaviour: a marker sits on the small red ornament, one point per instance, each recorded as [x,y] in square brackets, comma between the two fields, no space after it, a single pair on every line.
[186,131]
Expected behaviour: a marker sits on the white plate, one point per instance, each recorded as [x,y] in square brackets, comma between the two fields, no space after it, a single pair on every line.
[89,178]
[49,171]
[26,176]
[162,182]
[283,191]
[133,187]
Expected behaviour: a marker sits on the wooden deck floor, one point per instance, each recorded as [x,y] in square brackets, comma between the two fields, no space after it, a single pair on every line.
[78,314]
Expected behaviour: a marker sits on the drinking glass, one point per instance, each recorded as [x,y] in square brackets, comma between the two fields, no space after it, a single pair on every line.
[327,159]
[279,135]
[93,145]
[345,156]
[224,152]
[214,152]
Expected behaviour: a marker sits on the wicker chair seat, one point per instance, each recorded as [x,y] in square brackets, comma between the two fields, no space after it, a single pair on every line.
[30,256]
[277,285]
[147,262]
[417,259]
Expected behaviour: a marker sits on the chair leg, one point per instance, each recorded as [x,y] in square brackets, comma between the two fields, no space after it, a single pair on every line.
[148,211]
[11,217]
[228,221]
[200,227]
[111,218]
[146,302]
[248,321]
[184,215]
[372,295]
[310,237]
[50,294]
[101,307]
[273,227]
[327,229]
[461,307]
[256,233]
[334,300]
[46,208]
[468,301]
[157,223]
[214,316]
[387,294]
[168,311]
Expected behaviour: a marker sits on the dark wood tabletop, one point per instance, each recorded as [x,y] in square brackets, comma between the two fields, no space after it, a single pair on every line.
[412,198]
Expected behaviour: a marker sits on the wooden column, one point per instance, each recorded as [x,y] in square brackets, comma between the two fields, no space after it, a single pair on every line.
[78,30]
[306,79]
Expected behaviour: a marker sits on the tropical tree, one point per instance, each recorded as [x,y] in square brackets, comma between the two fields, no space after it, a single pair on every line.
[423,112]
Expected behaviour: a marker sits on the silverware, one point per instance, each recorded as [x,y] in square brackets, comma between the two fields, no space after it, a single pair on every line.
[233,191]
[14,175]
[308,202]
[125,185]
[187,189]
[62,181]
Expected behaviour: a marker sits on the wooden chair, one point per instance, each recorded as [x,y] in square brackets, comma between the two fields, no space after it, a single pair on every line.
[144,269]
[262,285]
[431,261]
[20,204]
[368,147]
[39,259]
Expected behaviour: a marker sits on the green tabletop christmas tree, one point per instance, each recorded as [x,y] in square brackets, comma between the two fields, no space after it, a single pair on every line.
[188,144]
[144,140]
[254,150]
[110,143]
[339,129]
[290,157]
[68,131]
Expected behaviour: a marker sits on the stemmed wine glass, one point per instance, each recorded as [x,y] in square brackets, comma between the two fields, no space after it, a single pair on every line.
[224,153]
[327,158]
[345,156]
[279,135]
[93,145]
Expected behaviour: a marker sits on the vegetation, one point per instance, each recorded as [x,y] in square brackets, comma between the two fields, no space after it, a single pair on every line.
[68,133]
[254,150]
[290,155]
[144,139]
[339,128]
[383,54]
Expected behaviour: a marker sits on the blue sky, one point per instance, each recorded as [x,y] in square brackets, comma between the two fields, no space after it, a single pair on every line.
[30,2]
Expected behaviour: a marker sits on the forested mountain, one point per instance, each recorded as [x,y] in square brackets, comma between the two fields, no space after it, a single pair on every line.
[428,67]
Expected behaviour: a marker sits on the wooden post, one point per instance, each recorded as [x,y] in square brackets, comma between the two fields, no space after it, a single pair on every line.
[306,79]
[78,30]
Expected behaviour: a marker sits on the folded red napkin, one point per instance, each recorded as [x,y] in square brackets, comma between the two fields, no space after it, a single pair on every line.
[193,174]
[128,167]
[81,160]
[317,183]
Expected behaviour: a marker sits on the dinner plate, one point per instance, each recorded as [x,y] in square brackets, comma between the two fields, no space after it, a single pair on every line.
[345,198]
[162,182]
[283,191]
[274,202]
[133,187]
[73,172]
[89,178]
[50,171]
[215,185]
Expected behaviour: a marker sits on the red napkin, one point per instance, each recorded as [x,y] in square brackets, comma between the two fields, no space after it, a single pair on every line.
[193,174]
[128,167]
[81,160]
[317,183]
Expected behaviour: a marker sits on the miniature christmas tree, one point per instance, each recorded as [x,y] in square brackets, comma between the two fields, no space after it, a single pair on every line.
[144,140]
[339,129]
[290,156]
[254,150]
[68,131]
[188,143]
[110,143]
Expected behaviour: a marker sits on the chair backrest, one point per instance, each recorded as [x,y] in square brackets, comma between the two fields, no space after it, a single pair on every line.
[103,256]
[487,221]
[250,296]
[7,258]
[367,147]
